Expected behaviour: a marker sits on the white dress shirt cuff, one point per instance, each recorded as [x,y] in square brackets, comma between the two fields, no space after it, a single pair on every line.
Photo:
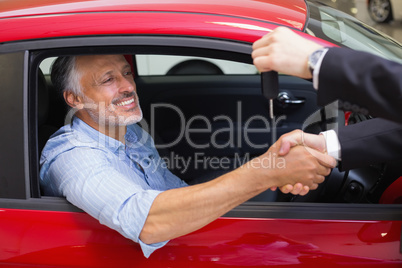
[316,71]
[333,145]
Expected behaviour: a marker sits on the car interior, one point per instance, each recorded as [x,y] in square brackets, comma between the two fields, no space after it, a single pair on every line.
[217,121]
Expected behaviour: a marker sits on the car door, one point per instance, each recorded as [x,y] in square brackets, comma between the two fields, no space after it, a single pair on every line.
[48,231]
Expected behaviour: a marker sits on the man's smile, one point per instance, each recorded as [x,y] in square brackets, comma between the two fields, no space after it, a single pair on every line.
[126,102]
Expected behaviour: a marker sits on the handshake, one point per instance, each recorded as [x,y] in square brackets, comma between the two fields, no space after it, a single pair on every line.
[300,162]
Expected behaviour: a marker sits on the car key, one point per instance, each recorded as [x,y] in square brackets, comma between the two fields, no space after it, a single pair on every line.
[270,89]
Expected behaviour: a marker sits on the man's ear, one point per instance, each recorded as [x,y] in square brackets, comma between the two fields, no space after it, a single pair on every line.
[73,100]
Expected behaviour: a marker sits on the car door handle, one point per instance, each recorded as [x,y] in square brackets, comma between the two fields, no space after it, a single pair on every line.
[285,100]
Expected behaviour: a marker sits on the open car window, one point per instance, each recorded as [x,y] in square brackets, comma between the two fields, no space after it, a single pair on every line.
[207,116]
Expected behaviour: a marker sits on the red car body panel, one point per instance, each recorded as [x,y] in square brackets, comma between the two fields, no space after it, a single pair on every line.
[292,12]
[137,23]
[130,23]
[78,240]
[30,20]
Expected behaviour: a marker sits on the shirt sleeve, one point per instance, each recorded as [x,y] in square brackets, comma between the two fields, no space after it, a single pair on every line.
[316,72]
[332,143]
[87,179]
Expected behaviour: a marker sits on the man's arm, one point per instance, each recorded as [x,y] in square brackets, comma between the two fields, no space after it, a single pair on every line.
[370,142]
[284,51]
[360,78]
[180,211]
[363,79]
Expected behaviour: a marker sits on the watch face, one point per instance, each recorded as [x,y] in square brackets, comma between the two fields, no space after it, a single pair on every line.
[315,56]
[313,59]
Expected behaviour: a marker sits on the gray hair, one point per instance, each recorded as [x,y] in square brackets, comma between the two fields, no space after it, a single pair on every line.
[65,76]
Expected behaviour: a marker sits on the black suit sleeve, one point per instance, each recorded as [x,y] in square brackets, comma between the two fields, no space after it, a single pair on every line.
[370,142]
[362,79]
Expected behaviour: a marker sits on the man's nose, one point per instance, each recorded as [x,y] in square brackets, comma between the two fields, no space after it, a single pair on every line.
[127,84]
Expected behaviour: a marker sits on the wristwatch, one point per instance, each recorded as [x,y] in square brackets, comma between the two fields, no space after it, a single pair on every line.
[314,58]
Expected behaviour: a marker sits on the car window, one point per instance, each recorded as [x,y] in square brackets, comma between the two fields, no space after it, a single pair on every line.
[148,65]
[174,64]
[205,126]
[345,30]
[46,64]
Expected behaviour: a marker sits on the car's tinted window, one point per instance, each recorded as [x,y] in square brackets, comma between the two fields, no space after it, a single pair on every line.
[167,64]
[174,64]
[345,30]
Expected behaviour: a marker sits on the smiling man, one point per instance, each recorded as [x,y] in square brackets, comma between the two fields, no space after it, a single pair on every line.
[105,164]
[108,94]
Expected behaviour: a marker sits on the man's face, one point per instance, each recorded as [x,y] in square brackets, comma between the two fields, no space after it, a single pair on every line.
[110,97]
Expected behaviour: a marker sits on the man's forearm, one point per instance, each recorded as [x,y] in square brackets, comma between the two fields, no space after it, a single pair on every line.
[180,211]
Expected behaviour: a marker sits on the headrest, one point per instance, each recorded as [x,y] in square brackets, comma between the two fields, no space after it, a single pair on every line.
[194,67]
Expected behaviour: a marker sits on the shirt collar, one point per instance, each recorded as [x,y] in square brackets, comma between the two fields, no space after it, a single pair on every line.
[100,139]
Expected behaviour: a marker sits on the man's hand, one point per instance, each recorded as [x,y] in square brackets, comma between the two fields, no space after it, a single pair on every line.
[284,51]
[297,189]
[300,165]
[313,143]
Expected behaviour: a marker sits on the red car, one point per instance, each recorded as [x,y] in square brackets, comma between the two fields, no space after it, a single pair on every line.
[193,71]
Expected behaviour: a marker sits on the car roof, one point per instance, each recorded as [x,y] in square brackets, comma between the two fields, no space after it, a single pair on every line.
[237,20]
[290,12]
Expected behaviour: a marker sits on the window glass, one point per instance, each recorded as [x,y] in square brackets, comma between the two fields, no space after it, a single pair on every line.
[46,64]
[345,30]
[162,64]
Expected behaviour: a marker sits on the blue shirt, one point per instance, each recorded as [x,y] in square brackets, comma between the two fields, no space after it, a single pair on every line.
[115,183]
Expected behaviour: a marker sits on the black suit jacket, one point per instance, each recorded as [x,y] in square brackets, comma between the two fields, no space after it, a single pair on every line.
[374,84]
[370,142]
[361,79]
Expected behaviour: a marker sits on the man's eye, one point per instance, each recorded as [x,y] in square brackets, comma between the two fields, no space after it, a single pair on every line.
[128,73]
[107,80]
